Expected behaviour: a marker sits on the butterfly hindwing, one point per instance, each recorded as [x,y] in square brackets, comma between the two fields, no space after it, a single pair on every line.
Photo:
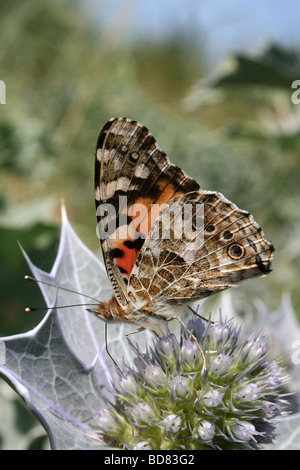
[223,246]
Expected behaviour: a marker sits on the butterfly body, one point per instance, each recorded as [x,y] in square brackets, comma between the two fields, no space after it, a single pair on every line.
[146,317]
[165,241]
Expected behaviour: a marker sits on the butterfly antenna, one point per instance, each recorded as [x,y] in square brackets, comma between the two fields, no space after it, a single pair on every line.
[33,309]
[29,278]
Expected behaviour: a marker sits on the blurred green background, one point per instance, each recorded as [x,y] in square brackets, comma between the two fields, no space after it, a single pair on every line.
[220,106]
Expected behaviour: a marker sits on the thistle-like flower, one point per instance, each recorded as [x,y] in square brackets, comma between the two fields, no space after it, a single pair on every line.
[172,400]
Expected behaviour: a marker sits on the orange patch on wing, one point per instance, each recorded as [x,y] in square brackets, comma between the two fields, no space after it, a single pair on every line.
[128,260]
[149,211]
[143,213]
[167,194]
[140,212]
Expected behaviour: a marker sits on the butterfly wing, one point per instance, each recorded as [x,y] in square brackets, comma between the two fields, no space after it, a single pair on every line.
[134,179]
[227,246]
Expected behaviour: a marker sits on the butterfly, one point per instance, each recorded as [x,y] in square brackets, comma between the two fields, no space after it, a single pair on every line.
[160,256]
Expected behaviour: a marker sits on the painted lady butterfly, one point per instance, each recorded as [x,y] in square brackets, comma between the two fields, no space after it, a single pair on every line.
[141,199]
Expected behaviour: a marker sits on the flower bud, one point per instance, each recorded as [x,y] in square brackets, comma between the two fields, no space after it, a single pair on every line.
[190,358]
[180,389]
[143,445]
[213,398]
[220,365]
[129,384]
[275,376]
[247,393]
[218,333]
[154,375]
[172,423]
[107,421]
[167,349]
[241,430]
[143,414]
[270,410]
[255,349]
[205,430]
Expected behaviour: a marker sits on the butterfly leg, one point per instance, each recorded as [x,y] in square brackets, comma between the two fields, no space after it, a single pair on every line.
[128,333]
[174,317]
[106,348]
[200,316]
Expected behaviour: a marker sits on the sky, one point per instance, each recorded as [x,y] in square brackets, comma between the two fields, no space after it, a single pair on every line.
[224,26]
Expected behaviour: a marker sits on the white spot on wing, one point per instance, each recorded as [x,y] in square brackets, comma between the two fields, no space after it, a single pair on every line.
[97,193]
[106,155]
[142,171]
[99,154]
[121,184]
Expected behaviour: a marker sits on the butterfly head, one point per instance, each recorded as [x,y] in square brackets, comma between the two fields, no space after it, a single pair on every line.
[109,311]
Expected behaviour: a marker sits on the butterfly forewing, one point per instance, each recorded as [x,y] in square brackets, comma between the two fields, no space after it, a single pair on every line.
[134,177]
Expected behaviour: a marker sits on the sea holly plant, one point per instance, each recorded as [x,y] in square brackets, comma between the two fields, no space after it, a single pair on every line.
[160,394]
